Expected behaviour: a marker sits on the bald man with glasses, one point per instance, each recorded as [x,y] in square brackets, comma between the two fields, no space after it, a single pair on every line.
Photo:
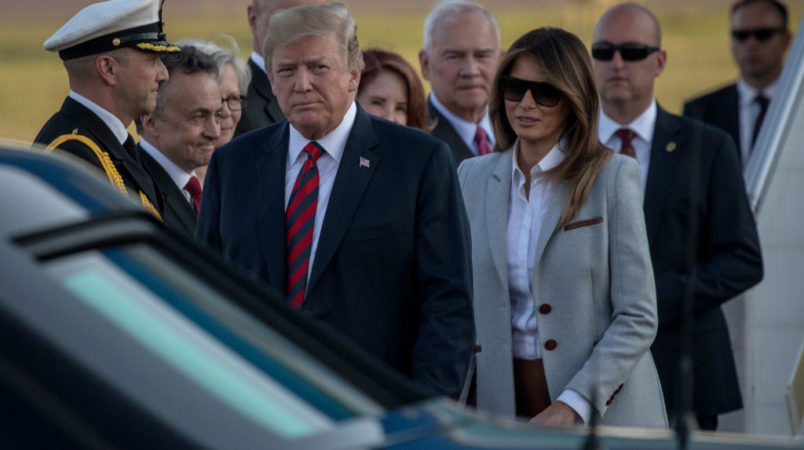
[760,38]
[701,232]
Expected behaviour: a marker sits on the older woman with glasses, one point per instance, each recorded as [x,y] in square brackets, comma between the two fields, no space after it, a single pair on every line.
[565,304]
[233,79]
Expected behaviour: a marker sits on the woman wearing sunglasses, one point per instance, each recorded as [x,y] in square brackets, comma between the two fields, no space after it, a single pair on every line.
[565,303]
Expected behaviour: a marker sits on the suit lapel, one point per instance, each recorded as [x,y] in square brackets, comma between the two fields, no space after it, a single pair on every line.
[664,156]
[170,194]
[350,182]
[556,199]
[731,109]
[497,192]
[271,203]
[263,88]
[446,132]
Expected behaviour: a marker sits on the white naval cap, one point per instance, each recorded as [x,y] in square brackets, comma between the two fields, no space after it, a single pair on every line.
[109,25]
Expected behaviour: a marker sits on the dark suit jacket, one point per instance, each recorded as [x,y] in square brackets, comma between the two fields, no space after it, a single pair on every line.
[73,117]
[446,132]
[177,212]
[393,265]
[261,106]
[720,108]
[695,200]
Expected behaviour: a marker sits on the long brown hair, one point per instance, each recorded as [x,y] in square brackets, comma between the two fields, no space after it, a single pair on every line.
[568,67]
[378,61]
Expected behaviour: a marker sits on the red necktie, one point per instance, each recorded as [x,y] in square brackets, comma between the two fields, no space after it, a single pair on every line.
[763,108]
[299,221]
[194,188]
[627,146]
[481,141]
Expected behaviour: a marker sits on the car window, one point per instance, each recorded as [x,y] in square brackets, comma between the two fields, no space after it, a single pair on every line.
[210,341]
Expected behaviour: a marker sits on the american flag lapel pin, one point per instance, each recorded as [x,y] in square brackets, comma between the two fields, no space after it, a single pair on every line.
[365,163]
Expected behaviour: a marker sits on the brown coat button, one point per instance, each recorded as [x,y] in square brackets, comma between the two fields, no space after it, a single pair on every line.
[551,344]
[545,309]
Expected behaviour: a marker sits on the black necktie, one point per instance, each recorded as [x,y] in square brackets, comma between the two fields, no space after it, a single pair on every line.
[131,147]
[763,108]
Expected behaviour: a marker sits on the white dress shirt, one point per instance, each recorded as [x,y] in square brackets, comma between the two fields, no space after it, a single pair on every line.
[333,144]
[748,113]
[177,174]
[115,125]
[259,61]
[524,225]
[466,129]
[643,126]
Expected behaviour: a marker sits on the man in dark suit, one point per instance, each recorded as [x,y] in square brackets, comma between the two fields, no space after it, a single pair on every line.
[181,133]
[701,231]
[358,220]
[461,52]
[760,38]
[114,70]
[262,108]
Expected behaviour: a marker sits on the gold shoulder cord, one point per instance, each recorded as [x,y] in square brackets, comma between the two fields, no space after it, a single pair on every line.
[106,163]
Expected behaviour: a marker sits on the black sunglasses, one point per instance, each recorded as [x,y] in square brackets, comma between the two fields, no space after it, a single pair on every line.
[545,94]
[604,51]
[761,34]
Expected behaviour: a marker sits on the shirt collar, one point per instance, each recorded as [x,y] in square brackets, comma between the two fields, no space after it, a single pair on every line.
[333,144]
[466,129]
[259,61]
[551,160]
[177,174]
[747,94]
[116,126]
[643,125]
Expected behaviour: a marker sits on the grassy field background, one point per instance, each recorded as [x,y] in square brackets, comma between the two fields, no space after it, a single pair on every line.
[33,82]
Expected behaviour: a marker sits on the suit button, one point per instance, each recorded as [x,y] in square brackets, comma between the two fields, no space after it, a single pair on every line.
[545,309]
[551,344]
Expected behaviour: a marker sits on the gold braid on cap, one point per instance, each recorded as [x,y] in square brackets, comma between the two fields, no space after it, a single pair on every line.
[106,163]
[158,48]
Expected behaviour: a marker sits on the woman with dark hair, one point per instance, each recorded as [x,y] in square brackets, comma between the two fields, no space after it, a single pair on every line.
[391,89]
[565,303]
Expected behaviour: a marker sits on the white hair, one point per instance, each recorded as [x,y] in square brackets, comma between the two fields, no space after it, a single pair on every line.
[223,56]
[454,7]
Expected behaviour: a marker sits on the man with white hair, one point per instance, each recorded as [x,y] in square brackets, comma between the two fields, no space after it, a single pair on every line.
[358,220]
[111,51]
[460,55]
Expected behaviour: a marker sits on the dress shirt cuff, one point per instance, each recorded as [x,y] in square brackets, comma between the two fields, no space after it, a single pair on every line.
[579,404]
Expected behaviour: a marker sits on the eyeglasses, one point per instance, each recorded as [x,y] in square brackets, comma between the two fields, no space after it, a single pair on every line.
[604,51]
[761,34]
[545,94]
[235,102]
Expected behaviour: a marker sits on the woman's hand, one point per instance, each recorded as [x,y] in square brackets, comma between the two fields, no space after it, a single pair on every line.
[559,414]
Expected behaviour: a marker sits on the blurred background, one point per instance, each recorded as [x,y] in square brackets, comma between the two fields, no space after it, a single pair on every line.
[33,82]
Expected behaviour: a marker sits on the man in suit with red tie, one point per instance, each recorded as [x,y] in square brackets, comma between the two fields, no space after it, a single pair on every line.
[461,52]
[701,232]
[760,38]
[358,220]
[179,136]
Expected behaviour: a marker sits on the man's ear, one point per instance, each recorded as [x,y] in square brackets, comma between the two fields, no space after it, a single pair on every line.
[107,68]
[148,121]
[424,63]
[252,19]
[354,79]
[661,60]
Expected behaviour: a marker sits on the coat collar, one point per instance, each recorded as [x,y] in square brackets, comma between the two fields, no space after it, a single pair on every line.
[664,156]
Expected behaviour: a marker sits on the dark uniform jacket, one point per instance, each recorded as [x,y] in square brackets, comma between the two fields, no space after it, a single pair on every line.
[74,118]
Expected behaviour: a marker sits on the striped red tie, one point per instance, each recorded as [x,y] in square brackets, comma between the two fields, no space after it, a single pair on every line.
[299,220]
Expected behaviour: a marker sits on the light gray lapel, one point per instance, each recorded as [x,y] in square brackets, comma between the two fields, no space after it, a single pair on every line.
[497,192]
[556,198]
